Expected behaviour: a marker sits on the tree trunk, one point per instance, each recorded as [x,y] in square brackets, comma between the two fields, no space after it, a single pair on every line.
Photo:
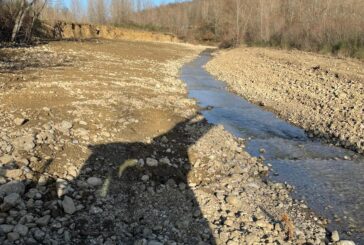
[24,8]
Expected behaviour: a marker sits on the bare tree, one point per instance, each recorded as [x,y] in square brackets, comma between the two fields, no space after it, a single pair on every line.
[23,10]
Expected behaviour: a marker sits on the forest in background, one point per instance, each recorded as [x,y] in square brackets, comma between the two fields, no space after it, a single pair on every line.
[327,26]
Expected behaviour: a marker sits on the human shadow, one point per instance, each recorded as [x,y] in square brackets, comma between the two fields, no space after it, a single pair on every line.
[144,197]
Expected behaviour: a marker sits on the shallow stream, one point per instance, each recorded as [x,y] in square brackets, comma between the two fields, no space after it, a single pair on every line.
[330,179]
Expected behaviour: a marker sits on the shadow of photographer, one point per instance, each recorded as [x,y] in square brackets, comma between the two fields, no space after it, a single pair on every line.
[140,192]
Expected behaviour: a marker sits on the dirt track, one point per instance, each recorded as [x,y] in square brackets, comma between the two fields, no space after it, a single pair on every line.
[324,95]
[99,144]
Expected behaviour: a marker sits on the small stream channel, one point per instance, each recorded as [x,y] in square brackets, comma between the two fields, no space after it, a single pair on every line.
[321,174]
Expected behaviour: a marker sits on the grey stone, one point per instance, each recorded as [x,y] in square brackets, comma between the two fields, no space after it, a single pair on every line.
[6,228]
[153,242]
[94,181]
[21,229]
[96,210]
[141,242]
[43,221]
[13,236]
[165,160]
[10,201]
[145,178]
[151,162]
[38,234]
[68,205]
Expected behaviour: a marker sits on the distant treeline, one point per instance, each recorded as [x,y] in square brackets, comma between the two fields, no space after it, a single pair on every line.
[329,26]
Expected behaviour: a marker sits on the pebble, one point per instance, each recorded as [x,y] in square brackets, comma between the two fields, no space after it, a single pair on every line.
[335,236]
[6,228]
[151,162]
[233,200]
[13,173]
[10,201]
[153,242]
[20,121]
[21,229]
[6,159]
[25,143]
[12,187]
[165,160]
[145,178]
[13,236]
[43,221]
[38,234]
[345,242]
[68,205]
[182,186]
[141,242]
[251,239]
[96,210]
[65,125]
[94,181]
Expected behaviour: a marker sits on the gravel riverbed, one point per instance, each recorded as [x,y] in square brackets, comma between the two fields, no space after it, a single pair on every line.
[99,144]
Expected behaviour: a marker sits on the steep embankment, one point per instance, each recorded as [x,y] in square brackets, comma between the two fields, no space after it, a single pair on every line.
[324,95]
[86,31]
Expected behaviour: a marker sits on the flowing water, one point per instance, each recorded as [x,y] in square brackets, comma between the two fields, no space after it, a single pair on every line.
[330,179]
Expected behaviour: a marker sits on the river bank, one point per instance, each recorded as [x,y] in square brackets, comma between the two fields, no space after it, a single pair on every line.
[321,94]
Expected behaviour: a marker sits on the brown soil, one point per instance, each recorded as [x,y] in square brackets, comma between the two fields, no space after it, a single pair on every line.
[322,94]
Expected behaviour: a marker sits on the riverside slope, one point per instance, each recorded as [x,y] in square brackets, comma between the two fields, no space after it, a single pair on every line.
[323,95]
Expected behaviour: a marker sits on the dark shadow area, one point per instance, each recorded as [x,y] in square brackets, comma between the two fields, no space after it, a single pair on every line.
[140,197]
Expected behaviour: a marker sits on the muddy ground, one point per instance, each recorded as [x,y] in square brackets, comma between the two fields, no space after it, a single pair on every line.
[322,94]
[99,144]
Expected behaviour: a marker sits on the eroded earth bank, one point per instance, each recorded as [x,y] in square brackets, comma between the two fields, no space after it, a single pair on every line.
[324,95]
[99,144]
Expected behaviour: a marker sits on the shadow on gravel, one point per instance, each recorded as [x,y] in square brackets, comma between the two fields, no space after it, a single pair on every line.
[143,201]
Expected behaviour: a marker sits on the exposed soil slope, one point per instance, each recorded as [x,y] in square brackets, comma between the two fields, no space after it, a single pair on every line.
[86,31]
[324,95]
[100,145]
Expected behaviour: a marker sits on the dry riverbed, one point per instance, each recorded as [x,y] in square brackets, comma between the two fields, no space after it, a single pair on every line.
[324,95]
[99,144]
